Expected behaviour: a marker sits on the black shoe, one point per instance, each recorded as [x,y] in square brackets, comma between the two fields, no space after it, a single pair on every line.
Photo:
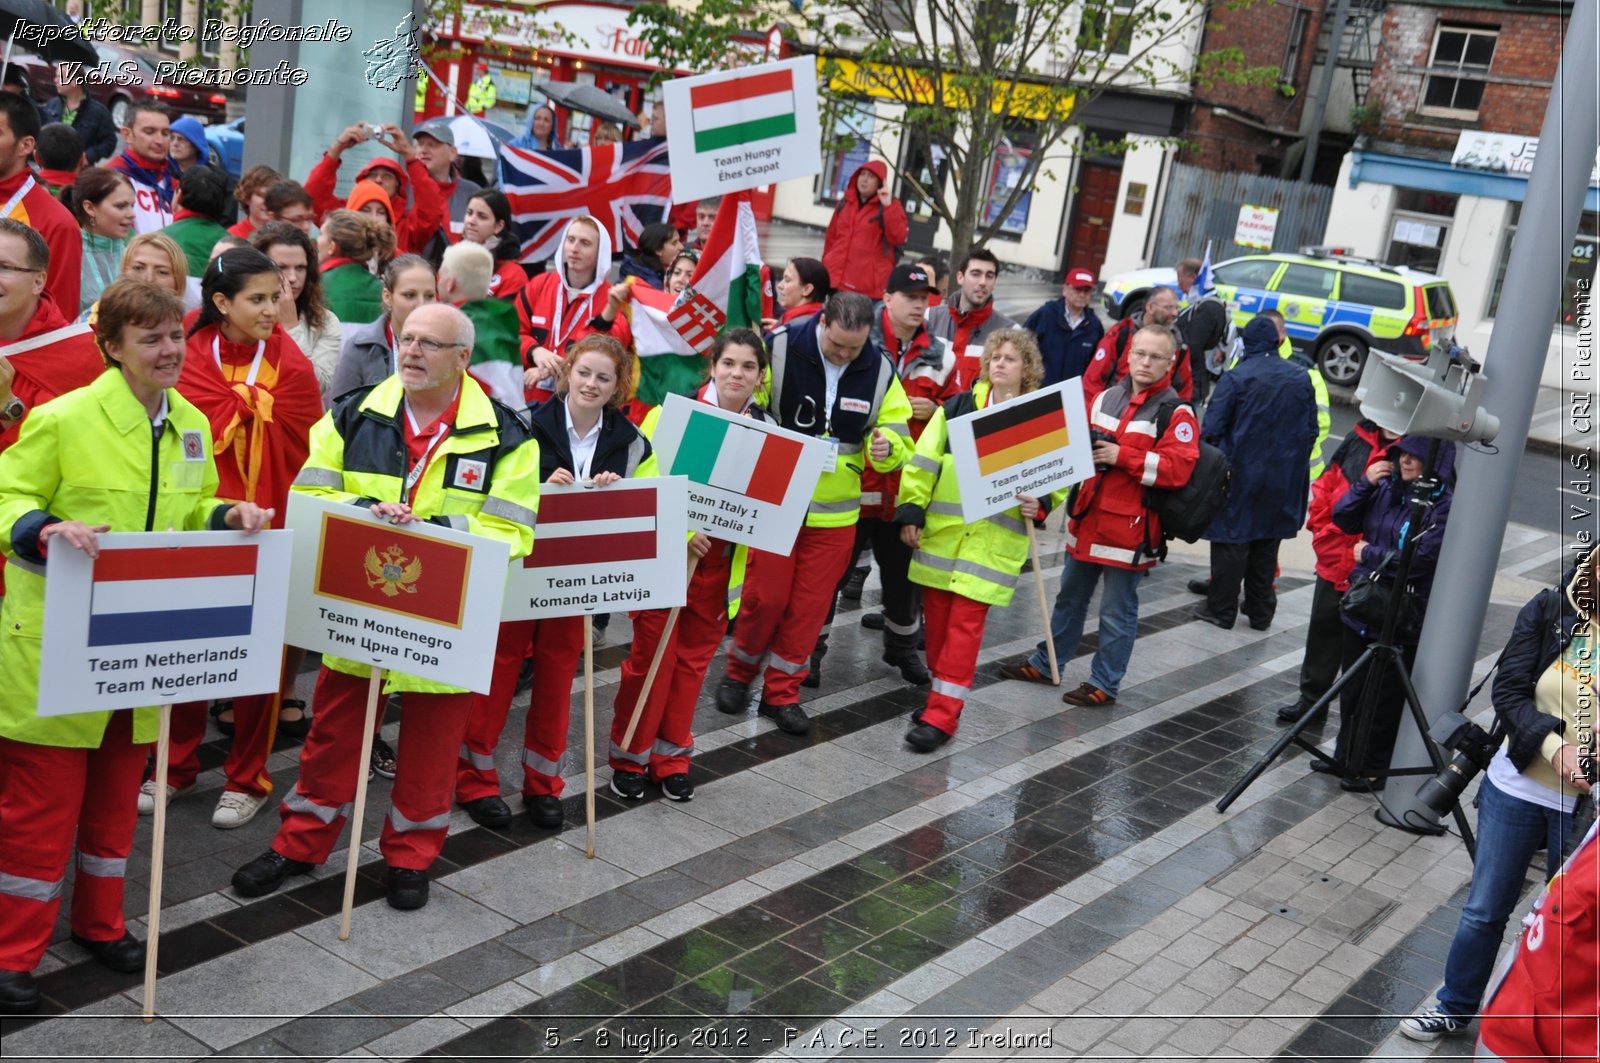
[19,993]
[813,678]
[873,621]
[1324,767]
[545,811]
[1292,712]
[852,586]
[126,954]
[1260,625]
[732,696]
[1199,586]
[266,873]
[678,787]
[925,738]
[491,811]
[628,785]
[789,718]
[1202,613]
[294,728]
[407,887]
[912,670]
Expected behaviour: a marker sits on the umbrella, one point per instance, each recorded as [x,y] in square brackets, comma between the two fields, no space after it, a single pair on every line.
[589,100]
[477,137]
[44,30]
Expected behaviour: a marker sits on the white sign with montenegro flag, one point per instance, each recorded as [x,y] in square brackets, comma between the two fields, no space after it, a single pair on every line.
[738,129]
[416,598]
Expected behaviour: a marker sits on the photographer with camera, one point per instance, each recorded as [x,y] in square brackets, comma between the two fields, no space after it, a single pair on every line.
[1544,698]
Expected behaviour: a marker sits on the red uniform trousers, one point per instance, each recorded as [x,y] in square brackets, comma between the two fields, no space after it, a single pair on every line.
[663,741]
[255,726]
[48,793]
[419,811]
[557,645]
[955,635]
[786,601]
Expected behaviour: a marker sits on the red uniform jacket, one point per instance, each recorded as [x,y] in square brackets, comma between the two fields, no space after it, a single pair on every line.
[864,239]
[927,369]
[552,314]
[1110,362]
[41,211]
[509,279]
[1334,548]
[421,206]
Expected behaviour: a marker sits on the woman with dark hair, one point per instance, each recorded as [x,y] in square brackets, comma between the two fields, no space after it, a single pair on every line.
[488,222]
[541,132]
[662,743]
[802,290]
[368,354]
[346,245]
[302,311]
[259,393]
[102,201]
[659,244]
[683,268]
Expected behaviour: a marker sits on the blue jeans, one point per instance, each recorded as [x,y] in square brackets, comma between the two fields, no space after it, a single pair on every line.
[1119,620]
[1510,831]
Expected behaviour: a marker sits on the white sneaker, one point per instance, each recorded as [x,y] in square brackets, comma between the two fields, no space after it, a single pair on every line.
[147,796]
[235,809]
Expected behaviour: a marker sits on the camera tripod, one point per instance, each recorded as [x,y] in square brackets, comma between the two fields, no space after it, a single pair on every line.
[1383,655]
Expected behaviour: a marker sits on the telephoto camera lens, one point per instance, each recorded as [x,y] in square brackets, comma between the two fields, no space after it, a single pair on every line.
[1441,792]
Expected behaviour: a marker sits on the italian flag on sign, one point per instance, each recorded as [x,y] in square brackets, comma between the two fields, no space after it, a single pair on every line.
[748,110]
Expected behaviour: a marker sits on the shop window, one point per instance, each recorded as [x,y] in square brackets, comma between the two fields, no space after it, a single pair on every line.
[1457,68]
[1419,229]
[1006,167]
[848,148]
[1313,282]
[1580,263]
[1107,26]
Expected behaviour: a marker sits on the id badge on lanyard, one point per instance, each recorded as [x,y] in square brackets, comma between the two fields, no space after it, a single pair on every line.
[830,463]
[415,475]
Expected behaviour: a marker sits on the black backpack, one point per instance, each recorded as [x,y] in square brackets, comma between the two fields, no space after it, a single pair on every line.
[1186,512]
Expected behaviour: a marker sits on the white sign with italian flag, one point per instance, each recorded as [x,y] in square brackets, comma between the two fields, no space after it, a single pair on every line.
[738,129]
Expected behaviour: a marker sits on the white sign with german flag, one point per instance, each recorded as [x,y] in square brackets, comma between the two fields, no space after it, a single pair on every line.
[738,129]
[607,549]
[1031,445]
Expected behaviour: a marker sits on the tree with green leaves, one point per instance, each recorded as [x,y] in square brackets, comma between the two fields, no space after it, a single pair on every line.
[960,77]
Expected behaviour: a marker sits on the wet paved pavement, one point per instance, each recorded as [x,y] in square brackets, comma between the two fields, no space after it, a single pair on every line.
[1053,884]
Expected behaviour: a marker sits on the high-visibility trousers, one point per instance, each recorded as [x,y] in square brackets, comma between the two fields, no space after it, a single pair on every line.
[557,649]
[255,727]
[786,600]
[419,810]
[48,794]
[662,741]
[955,635]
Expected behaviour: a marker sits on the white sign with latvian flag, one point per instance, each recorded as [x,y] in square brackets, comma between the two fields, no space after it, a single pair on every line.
[749,481]
[604,549]
[738,129]
[161,617]
[416,598]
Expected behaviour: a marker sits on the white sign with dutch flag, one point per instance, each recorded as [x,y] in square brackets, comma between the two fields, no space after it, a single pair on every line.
[163,617]
[738,129]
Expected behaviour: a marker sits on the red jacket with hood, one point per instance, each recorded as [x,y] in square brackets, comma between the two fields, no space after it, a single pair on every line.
[1109,522]
[553,314]
[422,207]
[864,238]
[1335,548]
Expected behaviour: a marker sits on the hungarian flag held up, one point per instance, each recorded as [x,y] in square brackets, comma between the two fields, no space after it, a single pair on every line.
[167,595]
[384,567]
[747,110]
[728,278]
[1023,429]
[719,453]
[596,526]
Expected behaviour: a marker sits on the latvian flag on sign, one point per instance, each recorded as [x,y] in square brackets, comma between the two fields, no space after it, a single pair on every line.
[382,567]
[166,594]
[1019,431]
[745,460]
[743,111]
[595,526]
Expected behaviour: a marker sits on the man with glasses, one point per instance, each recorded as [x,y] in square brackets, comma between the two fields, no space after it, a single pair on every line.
[427,444]
[1111,536]
[831,382]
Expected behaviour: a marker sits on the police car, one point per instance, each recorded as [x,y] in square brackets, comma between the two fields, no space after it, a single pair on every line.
[1334,304]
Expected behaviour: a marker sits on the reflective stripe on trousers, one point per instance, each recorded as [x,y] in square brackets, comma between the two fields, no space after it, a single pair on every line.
[663,748]
[32,889]
[954,691]
[481,761]
[295,801]
[403,823]
[103,866]
[788,667]
[534,762]
[618,753]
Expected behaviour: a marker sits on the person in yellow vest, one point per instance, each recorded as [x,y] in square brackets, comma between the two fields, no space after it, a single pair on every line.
[481,93]
[964,568]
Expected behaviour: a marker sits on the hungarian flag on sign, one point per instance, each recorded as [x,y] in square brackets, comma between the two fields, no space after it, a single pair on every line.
[744,459]
[595,526]
[747,110]
[384,567]
[1020,430]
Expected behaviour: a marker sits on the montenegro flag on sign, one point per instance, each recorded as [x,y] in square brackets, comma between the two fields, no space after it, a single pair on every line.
[384,567]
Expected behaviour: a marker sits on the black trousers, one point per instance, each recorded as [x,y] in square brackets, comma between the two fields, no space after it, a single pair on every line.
[1387,706]
[902,601]
[1324,644]
[1255,565]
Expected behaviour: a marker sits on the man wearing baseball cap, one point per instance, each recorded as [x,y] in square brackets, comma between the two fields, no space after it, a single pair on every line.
[436,149]
[1068,328]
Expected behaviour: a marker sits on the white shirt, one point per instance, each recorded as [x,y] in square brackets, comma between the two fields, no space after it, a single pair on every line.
[582,446]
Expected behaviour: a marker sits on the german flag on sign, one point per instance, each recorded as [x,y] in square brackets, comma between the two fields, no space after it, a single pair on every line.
[382,567]
[1023,429]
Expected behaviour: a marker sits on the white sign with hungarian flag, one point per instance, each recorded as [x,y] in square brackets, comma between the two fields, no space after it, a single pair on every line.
[607,549]
[739,129]
[749,481]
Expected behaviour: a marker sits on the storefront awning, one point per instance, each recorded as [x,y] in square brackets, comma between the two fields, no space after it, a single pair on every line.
[887,82]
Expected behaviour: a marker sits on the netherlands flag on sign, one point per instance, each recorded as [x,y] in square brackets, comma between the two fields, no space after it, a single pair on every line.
[166,594]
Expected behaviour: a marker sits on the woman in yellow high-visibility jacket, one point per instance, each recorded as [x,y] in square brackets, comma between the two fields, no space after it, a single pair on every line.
[963,567]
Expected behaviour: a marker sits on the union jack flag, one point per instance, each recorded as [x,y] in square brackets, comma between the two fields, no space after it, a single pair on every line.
[627,186]
[697,319]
